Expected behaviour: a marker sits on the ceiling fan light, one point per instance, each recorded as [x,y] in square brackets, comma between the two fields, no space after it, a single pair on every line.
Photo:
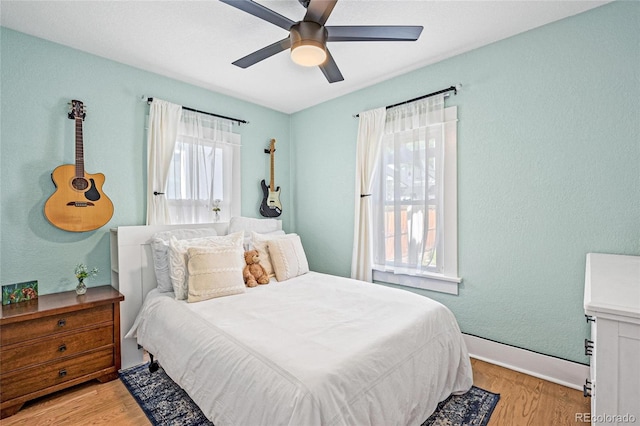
[307,43]
[308,54]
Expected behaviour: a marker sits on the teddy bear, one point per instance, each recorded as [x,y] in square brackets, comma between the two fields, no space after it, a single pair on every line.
[254,273]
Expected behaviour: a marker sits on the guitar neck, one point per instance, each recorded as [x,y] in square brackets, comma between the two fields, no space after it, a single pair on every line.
[79,148]
[272,185]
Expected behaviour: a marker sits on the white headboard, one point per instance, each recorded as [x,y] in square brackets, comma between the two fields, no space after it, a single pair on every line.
[133,275]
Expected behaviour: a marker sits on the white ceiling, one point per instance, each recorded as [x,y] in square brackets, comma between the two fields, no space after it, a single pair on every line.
[196,41]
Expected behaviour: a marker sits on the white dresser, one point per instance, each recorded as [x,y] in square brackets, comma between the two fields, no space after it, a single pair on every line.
[612,306]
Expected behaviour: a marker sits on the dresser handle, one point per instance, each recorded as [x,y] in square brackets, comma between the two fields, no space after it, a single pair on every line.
[62,322]
[62,348]
[586,388]
[588,347]
[590,318]
[62,373]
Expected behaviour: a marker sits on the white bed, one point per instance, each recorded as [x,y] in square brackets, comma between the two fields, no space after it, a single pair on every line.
[312,350]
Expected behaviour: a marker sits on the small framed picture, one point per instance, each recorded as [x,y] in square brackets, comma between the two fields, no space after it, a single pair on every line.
[19,292]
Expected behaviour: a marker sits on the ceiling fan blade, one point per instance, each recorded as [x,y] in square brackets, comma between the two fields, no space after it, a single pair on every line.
[261,12]
[330,69]
[319,10]
[373,33]
[263,53]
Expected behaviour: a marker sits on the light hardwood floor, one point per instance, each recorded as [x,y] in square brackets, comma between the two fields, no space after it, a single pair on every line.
[524,400]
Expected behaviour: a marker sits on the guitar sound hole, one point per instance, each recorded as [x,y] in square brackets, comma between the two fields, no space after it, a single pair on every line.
[80,184]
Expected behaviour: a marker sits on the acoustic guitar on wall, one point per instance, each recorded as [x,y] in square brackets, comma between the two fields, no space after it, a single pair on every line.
[270,206]
[78,204]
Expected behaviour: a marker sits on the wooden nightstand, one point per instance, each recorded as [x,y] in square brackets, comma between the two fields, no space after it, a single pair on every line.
[57,341]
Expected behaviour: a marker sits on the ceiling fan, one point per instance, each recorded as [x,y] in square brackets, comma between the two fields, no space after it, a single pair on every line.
[308,38]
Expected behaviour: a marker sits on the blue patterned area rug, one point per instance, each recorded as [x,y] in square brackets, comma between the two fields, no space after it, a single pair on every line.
[167,404]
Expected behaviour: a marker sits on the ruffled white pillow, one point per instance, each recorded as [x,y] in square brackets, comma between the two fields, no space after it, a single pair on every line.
[178,257]
[160,248]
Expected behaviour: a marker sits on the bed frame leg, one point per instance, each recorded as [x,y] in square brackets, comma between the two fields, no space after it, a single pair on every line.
[153,365]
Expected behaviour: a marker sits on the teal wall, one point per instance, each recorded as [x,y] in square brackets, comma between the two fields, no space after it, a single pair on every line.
[548,170]
[548,165]
[38,78]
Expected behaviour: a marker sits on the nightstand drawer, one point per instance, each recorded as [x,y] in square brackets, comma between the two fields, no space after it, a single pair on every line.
[60,346]
[47,326]
[26,381]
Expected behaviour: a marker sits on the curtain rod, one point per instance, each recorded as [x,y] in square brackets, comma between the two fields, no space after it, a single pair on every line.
[237,120]
[453,89]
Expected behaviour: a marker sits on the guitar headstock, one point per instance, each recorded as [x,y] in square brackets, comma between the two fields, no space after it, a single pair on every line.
[76,110]
[272,147]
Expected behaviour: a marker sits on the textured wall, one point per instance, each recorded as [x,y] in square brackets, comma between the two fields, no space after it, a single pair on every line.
[548,164]
[38,79]
[548,170]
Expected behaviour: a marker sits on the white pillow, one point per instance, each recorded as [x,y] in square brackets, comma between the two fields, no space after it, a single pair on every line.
[249,224]
[249,244]
[214,272]
[160,249]
[265,236]
[260,242]
[249,239]
[178,257]
[288,257]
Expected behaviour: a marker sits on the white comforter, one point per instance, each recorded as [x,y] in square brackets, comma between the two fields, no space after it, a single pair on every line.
[314,350]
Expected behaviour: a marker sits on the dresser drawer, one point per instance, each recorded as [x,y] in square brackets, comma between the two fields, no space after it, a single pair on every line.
[26,381]
[50,325]
[60,346]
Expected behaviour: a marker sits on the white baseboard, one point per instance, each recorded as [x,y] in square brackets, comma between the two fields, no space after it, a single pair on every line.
[556,370]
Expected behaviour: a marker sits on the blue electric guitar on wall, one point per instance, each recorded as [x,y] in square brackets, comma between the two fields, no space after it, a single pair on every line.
[270,206]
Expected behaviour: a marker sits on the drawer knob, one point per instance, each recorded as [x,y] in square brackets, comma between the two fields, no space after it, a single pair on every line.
[588,347]
[586,388]
[62,348]
[62,373]
[62,322]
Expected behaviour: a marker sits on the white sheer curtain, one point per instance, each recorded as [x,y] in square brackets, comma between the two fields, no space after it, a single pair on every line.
[408,199]
[164,118]
[204,178]
[370,132]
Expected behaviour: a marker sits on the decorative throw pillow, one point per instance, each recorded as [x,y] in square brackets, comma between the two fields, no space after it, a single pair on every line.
[178,257]
[214,272]
[260,242]
[160,249]
[288,257]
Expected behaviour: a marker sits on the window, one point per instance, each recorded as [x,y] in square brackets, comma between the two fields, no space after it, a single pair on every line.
[415,201]
[203,183]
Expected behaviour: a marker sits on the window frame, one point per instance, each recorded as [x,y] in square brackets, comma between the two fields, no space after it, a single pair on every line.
[447,281]
[231,183]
